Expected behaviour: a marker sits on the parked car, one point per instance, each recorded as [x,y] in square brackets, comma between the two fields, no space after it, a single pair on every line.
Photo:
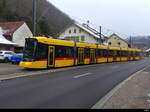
[6,55]
[16,58]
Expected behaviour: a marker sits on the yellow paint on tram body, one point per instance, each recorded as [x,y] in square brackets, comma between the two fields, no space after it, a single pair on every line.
[34,64]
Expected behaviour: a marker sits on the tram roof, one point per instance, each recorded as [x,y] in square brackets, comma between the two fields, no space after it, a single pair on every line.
[102,47]
[124,49]
[114,48]
[86,45]
[51,41]
[138,50]
[131,49]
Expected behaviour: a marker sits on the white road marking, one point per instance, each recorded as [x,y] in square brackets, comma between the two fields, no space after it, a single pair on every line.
[78,76]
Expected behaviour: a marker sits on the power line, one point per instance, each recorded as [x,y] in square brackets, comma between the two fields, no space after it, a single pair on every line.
[44,13]
[107,30]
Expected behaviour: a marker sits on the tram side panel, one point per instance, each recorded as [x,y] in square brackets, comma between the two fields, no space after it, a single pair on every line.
[64,56]
[124,56]
[87,55]
[110,56]
[101,56]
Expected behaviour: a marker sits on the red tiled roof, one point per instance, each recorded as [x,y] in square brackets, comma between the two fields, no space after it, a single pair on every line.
[10,27]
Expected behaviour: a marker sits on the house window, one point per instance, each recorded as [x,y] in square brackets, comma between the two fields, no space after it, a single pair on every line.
[69,31]
[67,38]
[75,30]
[109,43]
[119,43]
[80,30]
[73,38]
[77,39]
[82,38]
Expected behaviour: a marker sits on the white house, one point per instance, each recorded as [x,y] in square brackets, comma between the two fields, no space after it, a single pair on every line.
[117,41]
[16,32]
[80,33]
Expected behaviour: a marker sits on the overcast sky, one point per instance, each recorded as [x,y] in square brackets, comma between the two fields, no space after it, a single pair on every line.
[127,17]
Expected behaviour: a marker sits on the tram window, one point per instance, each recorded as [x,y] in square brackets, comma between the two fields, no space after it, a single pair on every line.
[105,53]
[131,53]
[124,53]
[114,53]
[102,53]
[99,53]
[127,53]
[118,53]
[69,52]
[63,51]
[137,54]
[87,52]
[110,53]
[41,51]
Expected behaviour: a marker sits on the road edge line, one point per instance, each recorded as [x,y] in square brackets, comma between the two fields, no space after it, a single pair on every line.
[101,102]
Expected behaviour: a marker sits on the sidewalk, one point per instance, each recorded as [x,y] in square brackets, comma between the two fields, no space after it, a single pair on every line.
[134,94]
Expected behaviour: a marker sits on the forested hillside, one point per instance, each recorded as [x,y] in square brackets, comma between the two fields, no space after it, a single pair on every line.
[50,20]
[142,42]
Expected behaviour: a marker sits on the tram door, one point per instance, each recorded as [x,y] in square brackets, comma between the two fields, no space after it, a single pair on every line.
[92,56]
[80,55]
[51,56]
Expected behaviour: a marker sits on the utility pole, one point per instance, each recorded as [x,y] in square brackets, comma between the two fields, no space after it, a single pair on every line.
[34,18]
[100,34]
[131,41]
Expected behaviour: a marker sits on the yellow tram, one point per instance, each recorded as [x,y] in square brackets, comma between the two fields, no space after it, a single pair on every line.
[42,52]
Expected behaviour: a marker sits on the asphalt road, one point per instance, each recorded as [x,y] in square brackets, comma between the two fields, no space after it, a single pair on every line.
[8,68]
[78,88]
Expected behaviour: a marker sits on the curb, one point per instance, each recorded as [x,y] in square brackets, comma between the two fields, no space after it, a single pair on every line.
[101,103]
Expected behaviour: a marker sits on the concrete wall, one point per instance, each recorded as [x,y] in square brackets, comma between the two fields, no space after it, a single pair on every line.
[79,34]
[20,35]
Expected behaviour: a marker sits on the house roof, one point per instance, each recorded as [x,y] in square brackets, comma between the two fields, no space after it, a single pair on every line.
[87,30]
[10,27]
[93,33]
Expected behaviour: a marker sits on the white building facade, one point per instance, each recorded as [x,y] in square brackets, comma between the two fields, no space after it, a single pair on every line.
[21,34]
[16,32]
[79,33]
[116,41]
